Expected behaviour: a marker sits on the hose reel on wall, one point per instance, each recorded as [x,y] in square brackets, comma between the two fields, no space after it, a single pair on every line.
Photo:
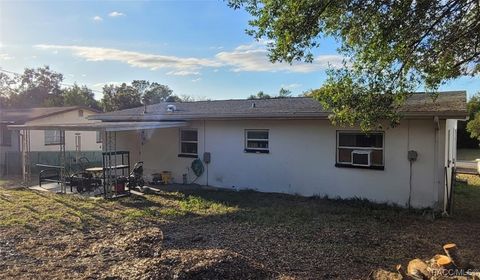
[197,168]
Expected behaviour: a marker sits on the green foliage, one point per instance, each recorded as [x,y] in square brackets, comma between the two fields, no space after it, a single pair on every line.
[284,93]
[174,98]
[352,103]
[260,95]
[42,87]
[468,134]
[33,88]
[80,96]
[6,89]
[473,126]
[473,105]
[124,96]
[390,47]
[120,97]
[152,93]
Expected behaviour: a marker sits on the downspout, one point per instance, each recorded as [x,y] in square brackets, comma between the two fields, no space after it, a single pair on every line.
[204,148]
[411,163]
[435,158]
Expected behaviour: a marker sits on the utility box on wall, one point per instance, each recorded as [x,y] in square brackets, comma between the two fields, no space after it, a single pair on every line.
[206,157]
[412,155]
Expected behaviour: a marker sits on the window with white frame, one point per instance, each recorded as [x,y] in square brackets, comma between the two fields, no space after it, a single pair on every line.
[53,137]
[6,136]
[359,149]
[188,143]
[256,141]
[98,137]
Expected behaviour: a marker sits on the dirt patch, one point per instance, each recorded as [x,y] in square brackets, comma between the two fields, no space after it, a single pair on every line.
[142,243]
[221,235]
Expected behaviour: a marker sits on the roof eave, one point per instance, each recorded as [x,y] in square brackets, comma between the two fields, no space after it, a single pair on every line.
[180,117]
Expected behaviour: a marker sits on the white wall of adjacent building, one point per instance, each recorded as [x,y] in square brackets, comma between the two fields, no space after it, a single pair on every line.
[301,159]
[88,140]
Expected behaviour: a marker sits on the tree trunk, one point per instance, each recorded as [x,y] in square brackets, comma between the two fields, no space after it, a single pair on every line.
[452,251]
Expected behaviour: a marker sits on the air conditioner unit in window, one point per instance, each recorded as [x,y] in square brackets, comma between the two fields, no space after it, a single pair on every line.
[361,157]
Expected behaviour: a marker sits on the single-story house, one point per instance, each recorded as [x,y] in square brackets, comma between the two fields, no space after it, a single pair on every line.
[288,145]
[46,140]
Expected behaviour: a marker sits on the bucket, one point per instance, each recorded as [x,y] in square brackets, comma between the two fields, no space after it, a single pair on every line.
[166,177]
[120,188]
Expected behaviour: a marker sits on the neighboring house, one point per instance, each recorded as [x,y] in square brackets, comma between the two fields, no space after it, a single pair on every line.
[47,140]
[289,146]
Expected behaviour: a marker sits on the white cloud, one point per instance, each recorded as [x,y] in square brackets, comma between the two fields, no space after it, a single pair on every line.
[97,18]
[116,14]
[291,86]
[196,80]
[136,59]
[99,86]
[6,56]
[254,58]
[183,73]
[251,58]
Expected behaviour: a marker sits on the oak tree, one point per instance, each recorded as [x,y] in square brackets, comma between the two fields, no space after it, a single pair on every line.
[391,48]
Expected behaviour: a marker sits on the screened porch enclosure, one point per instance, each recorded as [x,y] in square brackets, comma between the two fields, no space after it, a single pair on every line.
[109,171]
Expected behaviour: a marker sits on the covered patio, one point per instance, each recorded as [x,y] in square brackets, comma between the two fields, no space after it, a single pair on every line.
[109,179]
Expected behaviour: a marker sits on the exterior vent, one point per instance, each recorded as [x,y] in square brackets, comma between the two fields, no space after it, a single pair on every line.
[171,108]
[361,157]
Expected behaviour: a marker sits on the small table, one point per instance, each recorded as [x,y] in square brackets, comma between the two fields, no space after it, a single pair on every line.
[94,169]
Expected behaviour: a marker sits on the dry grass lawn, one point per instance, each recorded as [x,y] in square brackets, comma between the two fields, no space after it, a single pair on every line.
[208,234]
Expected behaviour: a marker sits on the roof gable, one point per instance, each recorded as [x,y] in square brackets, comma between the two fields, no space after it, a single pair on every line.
[22,115]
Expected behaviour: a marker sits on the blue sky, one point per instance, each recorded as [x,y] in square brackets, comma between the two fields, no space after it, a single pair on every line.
[198,48]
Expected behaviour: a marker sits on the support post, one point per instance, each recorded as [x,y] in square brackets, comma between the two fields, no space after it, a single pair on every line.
[26,171]
[63,175]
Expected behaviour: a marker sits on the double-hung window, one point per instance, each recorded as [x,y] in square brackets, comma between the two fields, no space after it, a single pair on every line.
[256,141]
[53,137]
[188,143]
[359,149]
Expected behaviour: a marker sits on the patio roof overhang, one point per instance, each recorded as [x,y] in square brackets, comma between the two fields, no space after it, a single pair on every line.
[101,126]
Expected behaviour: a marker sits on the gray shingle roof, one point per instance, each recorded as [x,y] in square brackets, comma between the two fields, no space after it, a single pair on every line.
[22,115]
[447,104]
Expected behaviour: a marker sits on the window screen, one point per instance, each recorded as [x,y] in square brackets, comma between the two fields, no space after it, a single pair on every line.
[256,141]
[189,142]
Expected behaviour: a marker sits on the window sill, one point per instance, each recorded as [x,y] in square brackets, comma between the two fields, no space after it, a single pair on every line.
[253,151]
[53,144]
[345,165]
[5,145]
[187,156]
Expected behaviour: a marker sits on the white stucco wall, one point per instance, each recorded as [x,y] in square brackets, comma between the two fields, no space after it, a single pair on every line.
[302,160]
[88,138]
